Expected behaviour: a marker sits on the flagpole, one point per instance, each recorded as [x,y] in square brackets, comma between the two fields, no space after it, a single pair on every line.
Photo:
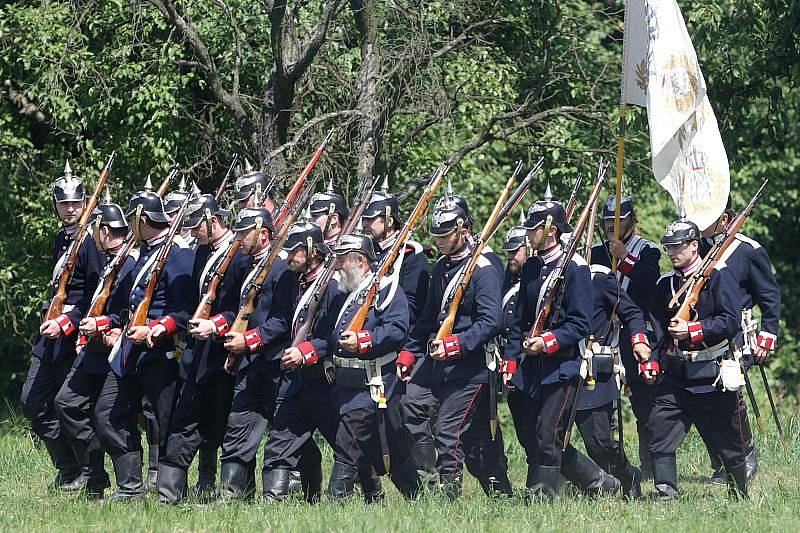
[620,134]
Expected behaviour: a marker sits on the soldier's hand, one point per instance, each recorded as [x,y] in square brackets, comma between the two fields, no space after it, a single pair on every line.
[349,341]
[617,248]
[110,338]
[678,329]
[88,326]
[292,357]
[138,334]
[201,329]
[50,329]
[234,343]
[230,364]
[641,351]
[761,355]
[156,333]
[507,383]
[437,350]
[403,373]
[533,346]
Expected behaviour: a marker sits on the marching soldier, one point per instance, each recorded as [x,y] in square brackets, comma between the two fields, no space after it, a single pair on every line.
[381,220]
[329,211]
[54,352]
[546,369]
[143,357]
[250,187]
[370,428]
[693,390]
[458,376]
[201,413]
[750,265]
[637,273]
[306,398]
[172,204]
[76,400]
[257,353]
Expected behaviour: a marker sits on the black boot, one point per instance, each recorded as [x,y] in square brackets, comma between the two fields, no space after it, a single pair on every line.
[172,484]
[341,482]
[128,472]
[737,480]
[275,484]
[152,468]
[751,460]
[311,483]
[69,477]
[542,483]
[451,486]
[587,476]
[92,459]
[718,475]
[233,478]
[631,479]
[496,486]
[207,471]
[407,480]
[371,486]
[645,460]
[295,482]
[665,476]
[423,455]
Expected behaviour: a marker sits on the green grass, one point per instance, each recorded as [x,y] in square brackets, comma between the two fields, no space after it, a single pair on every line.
[26,504]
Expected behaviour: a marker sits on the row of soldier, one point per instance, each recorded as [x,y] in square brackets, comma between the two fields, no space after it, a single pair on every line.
[386,398]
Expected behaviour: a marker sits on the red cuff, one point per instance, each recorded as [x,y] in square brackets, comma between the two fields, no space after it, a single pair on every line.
[649,369]
[103,324]
[550,342]
[766,341]
[364,341]
[221,324]
[695,332]
[640,338]
[452,348]
[65,324]
[168,322]
[309,353]
[509,367]
[253,340]
[626,265]
[407,359]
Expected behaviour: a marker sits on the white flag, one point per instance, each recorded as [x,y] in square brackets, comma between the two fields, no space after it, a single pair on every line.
[689,159]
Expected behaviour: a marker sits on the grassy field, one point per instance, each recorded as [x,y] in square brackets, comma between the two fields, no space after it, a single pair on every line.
[27,505]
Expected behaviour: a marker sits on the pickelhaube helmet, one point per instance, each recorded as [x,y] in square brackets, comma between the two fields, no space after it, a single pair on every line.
[174,200]
[541,210]
[253,217]
[450,213]
[249,182]
[147,203]
[626,207]
[515,237]
[68,188]
[306,233]
[383,203]
[356,242]
[329,202]
[681,231]
[203,207]
[109,214]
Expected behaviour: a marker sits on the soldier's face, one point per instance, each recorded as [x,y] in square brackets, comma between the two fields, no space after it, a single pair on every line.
[374,227]
[268,204]
[516,258]
[246,238]
[297,259]
[247,202]
[200,232]
[451,243]
[69,212]
[681,255]
[624,227]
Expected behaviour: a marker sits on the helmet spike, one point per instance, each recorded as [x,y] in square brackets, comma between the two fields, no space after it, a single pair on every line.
[521,216]
[195,189]
[107,196]
[248,168]
[182,184]
[329,188]
[148,184]
[548,193]
[682,212]
[67,170]
[385,185]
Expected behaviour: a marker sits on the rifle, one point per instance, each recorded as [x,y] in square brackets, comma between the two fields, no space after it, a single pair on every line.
[64,275]
[224,183]
[557,281]
[695,284]
[774,409]
[294,192]
[139,316]
[419,212]
[203,311]
[570,208]
[164,187]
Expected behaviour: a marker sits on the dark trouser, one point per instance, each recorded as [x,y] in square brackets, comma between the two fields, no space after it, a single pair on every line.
[463,434]
[418,409]
[43,382]
[148,421]
[597,431]
[747,433]
[120,403]
[75,404]
[642,402]
[716,415]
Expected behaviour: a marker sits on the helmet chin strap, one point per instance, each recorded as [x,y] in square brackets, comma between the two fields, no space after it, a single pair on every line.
[257,230]
[207,217]
[96,233]
[548,223]
[137,219]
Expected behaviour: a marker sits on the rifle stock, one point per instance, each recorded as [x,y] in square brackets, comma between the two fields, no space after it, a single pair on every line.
[203,311]
[164,186]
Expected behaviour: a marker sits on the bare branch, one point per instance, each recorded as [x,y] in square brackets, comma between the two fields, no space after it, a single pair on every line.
[308,125]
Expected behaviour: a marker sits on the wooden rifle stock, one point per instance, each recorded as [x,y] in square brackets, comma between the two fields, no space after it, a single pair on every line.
[570,208]
[203,311]
[224,184]
[164,187]
[56,307]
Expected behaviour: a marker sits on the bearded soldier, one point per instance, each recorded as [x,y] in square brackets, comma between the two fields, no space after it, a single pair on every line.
[545,369]
[458,376]
[76,400]
[750,265]
[329,211]
[201,413]
[637,273]
[143,357]
[381,220]
[54,352]
[692,354]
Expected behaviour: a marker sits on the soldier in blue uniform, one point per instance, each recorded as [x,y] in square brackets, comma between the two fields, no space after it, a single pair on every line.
[250,187]
[458,377]
[76,400]
[749,262]
[546,369]
[595,416]
[143,357]
[697,357]
[257,352]
[54,352]
[370,427]
[306,398]
[382,221]
[637,273]
[329,211]
[201,413]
